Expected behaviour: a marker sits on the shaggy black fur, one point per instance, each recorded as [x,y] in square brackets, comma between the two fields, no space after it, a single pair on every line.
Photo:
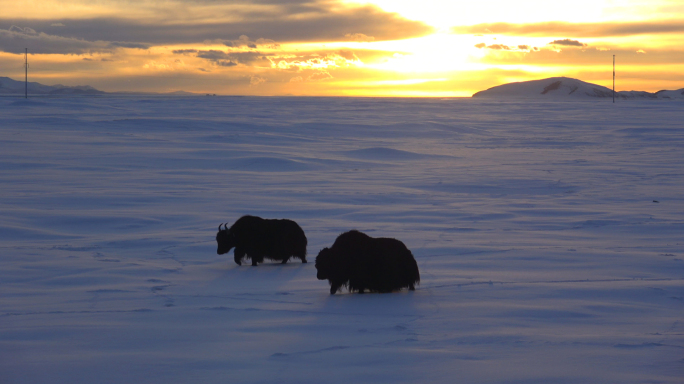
[361,263]
[258,238]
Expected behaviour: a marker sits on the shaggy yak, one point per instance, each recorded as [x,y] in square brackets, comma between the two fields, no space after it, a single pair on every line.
[258,238]
[361,262]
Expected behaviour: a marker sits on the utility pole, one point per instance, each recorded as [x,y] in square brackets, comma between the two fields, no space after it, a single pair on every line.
[613,79]
[26,75]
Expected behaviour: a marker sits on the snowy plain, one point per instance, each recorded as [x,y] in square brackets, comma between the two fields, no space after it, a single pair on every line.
[548,237]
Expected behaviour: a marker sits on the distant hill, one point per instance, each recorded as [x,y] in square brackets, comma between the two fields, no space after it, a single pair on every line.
[556,88]
[14,87]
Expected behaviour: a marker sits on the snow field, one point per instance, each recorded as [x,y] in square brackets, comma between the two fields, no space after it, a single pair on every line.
[548,237]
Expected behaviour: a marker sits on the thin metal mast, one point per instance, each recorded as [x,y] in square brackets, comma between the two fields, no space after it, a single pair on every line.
[26,75]
[613,79]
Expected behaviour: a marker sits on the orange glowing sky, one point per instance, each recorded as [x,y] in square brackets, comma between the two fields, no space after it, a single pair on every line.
[341,47]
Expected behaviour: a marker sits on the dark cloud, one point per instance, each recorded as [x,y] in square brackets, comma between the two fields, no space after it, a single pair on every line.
[184,51]
[224,63]
[230,59]
[248,57]
[575,29]
[123,44]
[212,55]
[245,41]
[287,61]
[232,44]
[17,39]
[568,43]
[282,20]
[241,42]
[23,31]
[291,61]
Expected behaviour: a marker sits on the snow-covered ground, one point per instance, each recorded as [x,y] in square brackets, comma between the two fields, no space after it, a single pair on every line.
[548,237]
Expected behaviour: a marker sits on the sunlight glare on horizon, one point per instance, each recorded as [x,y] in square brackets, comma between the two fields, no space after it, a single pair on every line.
[334,47]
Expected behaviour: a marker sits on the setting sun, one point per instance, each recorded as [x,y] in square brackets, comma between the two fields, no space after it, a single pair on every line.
[346,47]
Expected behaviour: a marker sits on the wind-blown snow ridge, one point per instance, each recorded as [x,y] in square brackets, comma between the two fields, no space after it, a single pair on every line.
[568,88]
[381,153]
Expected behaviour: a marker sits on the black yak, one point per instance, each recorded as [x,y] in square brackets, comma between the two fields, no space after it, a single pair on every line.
[361,263]
[258,238]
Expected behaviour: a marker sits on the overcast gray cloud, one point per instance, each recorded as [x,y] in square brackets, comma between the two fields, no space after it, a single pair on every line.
[575,29]
[123,44]
[282,20]
[17,39]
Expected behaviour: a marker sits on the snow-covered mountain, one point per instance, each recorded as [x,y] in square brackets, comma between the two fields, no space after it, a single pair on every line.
[12,87]
[678,94]
[568,88]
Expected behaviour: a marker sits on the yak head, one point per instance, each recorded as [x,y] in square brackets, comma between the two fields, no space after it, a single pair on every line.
[225,239]
[325,264]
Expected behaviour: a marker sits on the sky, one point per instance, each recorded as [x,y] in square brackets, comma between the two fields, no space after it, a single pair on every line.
[426,48]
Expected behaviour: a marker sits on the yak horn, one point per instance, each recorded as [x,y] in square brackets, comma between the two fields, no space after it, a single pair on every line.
[220,226]
[226,226]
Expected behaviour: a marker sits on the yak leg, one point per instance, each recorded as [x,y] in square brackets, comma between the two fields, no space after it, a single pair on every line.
[334,288]
[411,287]
[256,259]
[239,254]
